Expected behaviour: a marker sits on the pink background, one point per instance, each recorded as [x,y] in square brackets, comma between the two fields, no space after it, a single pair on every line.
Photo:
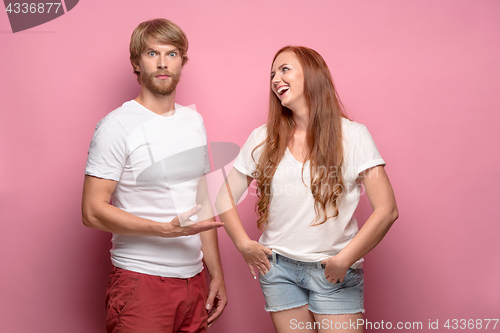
[424,76]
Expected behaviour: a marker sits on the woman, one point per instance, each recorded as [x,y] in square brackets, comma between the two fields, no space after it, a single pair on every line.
[309,162]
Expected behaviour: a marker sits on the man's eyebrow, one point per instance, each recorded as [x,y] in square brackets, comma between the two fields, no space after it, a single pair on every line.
[149,48]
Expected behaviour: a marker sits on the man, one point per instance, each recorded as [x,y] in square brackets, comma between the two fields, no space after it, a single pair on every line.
[146,166]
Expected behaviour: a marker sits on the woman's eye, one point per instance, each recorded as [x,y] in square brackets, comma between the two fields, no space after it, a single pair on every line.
[285,69]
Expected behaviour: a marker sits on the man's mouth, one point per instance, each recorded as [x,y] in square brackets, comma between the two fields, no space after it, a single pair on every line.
[162,76]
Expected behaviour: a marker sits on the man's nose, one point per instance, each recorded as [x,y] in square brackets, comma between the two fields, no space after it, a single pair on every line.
[162,63]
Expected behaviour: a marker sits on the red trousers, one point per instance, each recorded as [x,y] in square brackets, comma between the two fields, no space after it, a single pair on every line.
[141,303]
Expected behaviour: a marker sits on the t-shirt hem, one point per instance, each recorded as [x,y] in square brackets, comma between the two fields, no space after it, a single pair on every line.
[103,176]
[241,169]
[370,164]
[169,272]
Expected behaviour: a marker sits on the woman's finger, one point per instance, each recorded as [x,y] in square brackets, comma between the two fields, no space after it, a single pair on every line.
[250,267]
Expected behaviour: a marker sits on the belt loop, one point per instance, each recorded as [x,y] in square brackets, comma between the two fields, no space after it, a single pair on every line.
[318,265]
[275,260]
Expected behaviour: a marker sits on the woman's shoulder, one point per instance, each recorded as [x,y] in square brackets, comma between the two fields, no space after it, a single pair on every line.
[255,138]
[350,128]
[260,133]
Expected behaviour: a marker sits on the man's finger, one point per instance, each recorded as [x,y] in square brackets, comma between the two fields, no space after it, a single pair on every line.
[215,315]
[210,300]
[204,226]
[186,215]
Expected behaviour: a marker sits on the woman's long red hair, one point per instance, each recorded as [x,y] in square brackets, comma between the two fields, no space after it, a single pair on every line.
[323,137]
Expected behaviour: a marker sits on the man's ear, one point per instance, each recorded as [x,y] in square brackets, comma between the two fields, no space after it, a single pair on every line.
[136,68]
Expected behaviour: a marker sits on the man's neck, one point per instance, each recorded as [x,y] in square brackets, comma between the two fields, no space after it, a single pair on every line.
[159,104]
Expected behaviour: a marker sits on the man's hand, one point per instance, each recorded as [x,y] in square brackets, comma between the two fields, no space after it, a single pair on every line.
[217,300]
[176,230]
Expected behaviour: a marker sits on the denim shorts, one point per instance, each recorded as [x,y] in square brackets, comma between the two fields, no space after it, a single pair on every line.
[290,284]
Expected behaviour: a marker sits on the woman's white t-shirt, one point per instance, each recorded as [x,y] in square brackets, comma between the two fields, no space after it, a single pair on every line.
[291,211]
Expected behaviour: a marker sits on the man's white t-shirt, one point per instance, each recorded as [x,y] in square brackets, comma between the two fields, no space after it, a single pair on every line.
[157,162]
[291,211]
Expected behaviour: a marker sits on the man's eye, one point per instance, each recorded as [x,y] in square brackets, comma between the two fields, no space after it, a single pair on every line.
[151,53]
[172,54]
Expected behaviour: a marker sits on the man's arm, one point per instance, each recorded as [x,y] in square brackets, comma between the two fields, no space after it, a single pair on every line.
[217,298]
[98,213]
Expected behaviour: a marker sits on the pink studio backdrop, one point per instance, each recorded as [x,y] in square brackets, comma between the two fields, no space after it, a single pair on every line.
[422,75]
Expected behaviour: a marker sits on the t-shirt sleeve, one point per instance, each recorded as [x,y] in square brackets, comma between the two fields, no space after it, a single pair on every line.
[366,154]
[108,150]
[244,162]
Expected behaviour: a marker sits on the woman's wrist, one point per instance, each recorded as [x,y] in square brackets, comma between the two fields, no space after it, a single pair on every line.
[242,244]
[343,260]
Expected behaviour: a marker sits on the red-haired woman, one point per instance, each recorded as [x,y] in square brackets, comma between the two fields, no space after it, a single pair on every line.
[309,161]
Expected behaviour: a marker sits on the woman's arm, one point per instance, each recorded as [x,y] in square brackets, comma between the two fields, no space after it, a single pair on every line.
[230,193]
[385,212]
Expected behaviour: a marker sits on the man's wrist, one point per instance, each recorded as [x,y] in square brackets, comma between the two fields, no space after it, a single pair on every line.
[164,229]
[214,270]
[217,276]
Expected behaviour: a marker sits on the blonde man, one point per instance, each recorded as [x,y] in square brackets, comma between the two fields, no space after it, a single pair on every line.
[144,183]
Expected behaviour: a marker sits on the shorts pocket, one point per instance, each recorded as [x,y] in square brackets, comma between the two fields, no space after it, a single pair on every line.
[347,277]
[266,276]
[121,291]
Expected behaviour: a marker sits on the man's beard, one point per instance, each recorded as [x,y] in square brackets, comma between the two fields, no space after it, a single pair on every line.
[160,87]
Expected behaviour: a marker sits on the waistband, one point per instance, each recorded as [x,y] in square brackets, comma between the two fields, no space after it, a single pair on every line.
[276,257]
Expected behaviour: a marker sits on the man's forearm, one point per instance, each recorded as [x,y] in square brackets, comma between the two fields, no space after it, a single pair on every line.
[115,220]
[211,256]
[106,217]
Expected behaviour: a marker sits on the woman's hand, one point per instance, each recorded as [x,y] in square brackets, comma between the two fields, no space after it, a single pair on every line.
[255,254]
[335,271]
